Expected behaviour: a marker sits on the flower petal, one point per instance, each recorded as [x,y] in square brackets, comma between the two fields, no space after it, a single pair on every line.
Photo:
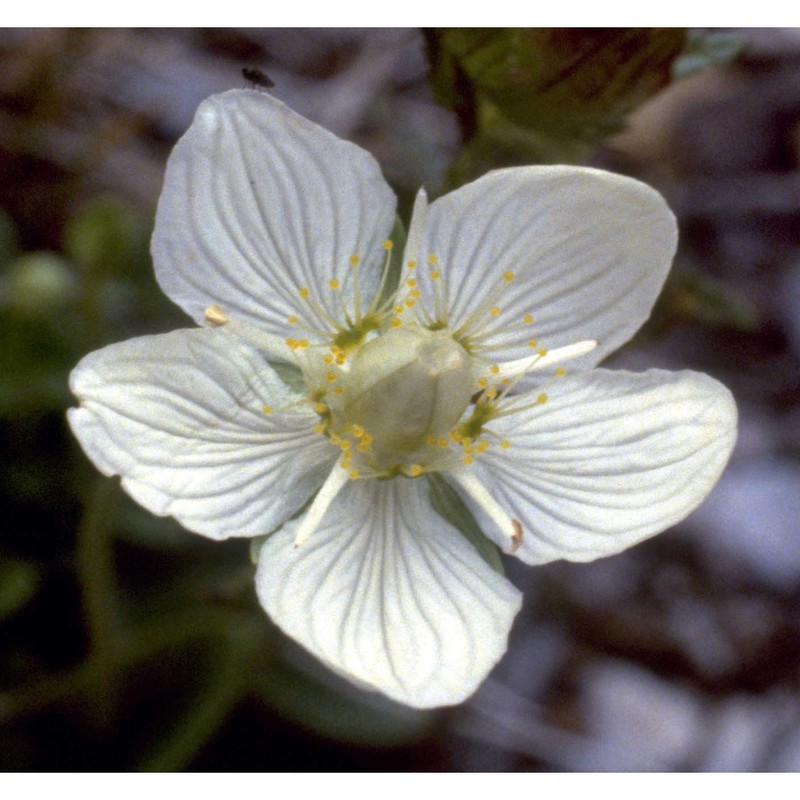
[180,417]
[259,202]
[589,252]
[388,593]
[610,459]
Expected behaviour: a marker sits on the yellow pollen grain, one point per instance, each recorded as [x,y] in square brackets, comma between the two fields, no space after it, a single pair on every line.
[495,312]
[508,276]
[415,293]
[354,261]
[542,399]
[333,283]
[344,445]
[560,372]
[505,444]
[528,319]
[335,440]
[341,358]
[357,431]
[267,409]
[388,244]
[415,470]
[303,291]
[399,309]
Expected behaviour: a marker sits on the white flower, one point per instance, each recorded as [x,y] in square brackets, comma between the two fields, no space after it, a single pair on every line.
[273,235]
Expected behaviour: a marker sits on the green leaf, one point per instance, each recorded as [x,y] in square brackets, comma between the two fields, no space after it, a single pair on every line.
[19,581]
[340,712]
[105,237]
[39,282]
[448,505]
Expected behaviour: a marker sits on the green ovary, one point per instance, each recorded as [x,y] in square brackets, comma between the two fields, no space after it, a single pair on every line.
[405,386]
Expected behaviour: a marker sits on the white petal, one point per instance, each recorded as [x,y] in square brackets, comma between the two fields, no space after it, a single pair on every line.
[590,251]
[180,417]
[259,202]
[610,459]
[388,593]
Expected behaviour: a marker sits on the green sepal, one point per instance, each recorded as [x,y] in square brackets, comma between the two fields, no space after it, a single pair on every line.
[448,505]
[291,376]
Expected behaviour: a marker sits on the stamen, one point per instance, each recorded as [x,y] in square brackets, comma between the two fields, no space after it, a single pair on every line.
[510,528]
[521,366]
[332,486]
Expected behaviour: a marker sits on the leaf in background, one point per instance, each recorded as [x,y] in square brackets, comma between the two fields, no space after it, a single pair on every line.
[696,297]
[9,238]
[19,581]
[546,95]
[336,710]
[105,237]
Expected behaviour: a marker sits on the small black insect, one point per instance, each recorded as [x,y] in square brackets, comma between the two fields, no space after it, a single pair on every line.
[257,78]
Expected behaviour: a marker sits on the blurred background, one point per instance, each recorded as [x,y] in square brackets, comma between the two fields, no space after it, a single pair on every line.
[128,644]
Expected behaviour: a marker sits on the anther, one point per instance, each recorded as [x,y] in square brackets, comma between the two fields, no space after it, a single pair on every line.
[516,539]
[215,316]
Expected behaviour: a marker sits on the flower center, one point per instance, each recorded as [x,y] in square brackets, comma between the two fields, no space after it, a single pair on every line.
[404,387]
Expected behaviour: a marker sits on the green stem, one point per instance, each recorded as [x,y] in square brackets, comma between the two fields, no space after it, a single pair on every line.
[94,564]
